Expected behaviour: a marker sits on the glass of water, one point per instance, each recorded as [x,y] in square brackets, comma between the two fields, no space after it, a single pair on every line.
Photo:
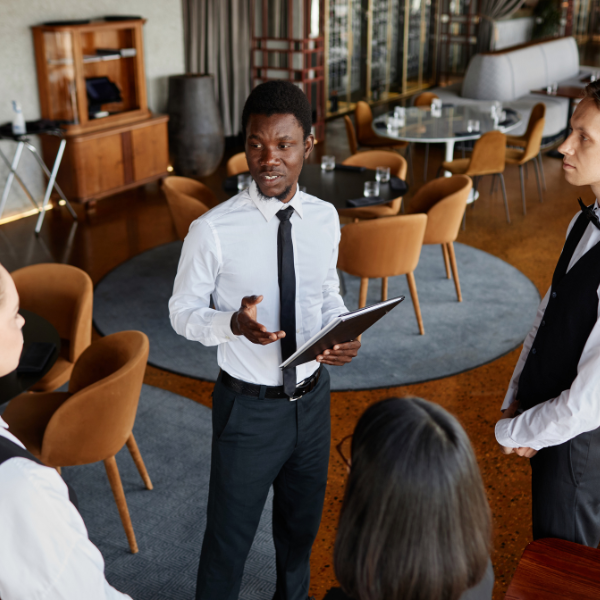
[399,112]
[382,174]
[327,163]
[371,189]
[243,181]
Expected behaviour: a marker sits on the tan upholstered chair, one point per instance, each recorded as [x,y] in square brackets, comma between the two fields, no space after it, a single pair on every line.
[94,419]
[237,164]
[444,200]
[351,133]
[488,158]
[531,152]
[384,248]
[188,199]
[63,295]
[365,134]
[424,100]
[371,160]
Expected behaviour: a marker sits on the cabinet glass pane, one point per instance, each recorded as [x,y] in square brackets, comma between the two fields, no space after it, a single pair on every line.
[62,91]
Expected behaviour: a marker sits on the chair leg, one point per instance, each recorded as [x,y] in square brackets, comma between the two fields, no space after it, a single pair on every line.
[538,179]
[412,286]
[112,471]
[384,289]
[439,171]
[409,160]
[454,270]
[475,186]
[542,170]
[493,186]
[522,189]
[464,222]
[446,261]
[426,162]
[526,171]
[139,462]
[501,176]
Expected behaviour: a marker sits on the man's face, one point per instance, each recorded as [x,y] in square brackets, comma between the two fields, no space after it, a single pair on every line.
[581,149]
[275,150]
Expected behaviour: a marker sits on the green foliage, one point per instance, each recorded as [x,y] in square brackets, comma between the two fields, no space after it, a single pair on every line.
[547,14]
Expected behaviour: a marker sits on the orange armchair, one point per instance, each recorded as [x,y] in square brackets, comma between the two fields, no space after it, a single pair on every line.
[63,295]
[94,419]
[237,164]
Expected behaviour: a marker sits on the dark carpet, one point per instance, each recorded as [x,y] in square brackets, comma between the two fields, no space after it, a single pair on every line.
[499,305]
[174,437]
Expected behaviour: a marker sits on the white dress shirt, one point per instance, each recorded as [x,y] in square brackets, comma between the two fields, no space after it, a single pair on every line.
[577,409]
[45,552]
[231,252]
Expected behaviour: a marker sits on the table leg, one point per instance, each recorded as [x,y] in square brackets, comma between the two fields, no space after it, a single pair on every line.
[42,214]
[449,155]
[11,176]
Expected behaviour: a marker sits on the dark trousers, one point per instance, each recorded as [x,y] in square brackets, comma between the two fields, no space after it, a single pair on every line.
[259,442]
[565,482]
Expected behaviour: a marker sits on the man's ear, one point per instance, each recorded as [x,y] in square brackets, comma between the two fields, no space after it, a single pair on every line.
[309,144]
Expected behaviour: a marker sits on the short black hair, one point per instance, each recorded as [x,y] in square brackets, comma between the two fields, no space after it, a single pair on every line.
[278,97]
[415,522]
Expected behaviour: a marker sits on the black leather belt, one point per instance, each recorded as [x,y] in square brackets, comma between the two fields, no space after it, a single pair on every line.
[251,389]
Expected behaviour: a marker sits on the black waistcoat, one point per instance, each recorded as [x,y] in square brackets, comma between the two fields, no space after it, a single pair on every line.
[8,450]
[572,312]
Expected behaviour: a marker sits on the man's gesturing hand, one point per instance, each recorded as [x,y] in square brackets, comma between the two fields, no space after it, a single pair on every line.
[243,322]
[340,354]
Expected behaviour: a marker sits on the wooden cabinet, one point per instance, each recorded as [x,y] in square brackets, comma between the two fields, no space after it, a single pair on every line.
[111,145]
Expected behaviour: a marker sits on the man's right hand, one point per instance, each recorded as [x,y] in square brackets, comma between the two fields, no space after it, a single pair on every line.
[243,322]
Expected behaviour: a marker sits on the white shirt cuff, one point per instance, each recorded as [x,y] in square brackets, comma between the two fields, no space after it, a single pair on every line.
[221,326]
[503,434]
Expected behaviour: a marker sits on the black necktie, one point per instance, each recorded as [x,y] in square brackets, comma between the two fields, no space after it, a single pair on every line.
[589,213]
[287,295]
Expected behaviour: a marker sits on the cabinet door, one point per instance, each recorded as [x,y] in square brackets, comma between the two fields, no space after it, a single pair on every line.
[99,164]
[150,151]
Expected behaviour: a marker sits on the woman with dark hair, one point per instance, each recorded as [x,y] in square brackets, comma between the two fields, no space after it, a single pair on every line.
[415,523]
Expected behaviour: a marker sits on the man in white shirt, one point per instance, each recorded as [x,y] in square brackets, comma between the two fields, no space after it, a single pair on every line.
[273,250]
[45,551]
[552,407]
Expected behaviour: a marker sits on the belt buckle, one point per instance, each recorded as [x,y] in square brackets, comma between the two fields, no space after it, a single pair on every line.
[294,398]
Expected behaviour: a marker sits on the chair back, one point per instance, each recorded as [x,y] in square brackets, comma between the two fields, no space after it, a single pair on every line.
[351,133]
[63,295]
[382,247]
[537,112]
[534,139]
[188,199]
[444,201]
[96,421]
[363,117]
[382,158]
[425,99]
[489,154]
[237,164]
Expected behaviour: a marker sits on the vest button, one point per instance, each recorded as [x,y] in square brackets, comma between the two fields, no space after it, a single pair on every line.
[533,351]
[543,323]
[554,294]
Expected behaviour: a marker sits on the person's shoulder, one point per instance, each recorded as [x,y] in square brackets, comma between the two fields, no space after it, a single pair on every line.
[24,477]
[321,206]
[220,213]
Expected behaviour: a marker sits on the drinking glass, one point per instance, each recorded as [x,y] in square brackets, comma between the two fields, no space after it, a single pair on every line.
[302,188]
[243,181]
[470,125]
[371,189]
[399,112]
[382,174]
[328,163]
[436,104]
[476,125]
[554,87]
[392,123]
[592,77]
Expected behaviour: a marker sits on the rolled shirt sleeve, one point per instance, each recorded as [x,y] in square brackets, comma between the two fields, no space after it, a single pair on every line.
[189,306]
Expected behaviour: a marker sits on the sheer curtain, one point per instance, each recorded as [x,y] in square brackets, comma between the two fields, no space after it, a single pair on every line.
[490,11]
[217,42]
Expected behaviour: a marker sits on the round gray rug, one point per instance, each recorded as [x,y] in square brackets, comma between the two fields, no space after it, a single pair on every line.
[498,308]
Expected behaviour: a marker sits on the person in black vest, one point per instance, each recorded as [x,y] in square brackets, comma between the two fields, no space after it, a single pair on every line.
[552,407]
[268,259]
[45,551]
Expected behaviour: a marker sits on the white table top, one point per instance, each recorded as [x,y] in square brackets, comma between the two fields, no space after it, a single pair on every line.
[420,126]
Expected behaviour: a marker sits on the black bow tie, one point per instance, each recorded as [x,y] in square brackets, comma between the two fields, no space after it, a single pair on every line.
[589,213]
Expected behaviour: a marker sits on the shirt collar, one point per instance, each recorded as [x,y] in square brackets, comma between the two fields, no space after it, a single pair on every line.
[269,208]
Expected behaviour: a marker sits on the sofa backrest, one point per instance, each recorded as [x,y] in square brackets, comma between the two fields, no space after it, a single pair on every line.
[509,75]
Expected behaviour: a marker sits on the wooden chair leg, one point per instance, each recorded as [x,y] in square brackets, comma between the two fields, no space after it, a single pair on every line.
[112,471]
[522,189]
[362,295]
[454,270]
[412,286]
[139,462]
[384,289]
[446,261]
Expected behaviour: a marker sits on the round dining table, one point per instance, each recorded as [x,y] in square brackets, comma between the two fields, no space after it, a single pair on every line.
[420,126]
[36,329]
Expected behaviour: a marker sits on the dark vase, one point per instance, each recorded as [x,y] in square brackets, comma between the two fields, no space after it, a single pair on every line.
[196,139]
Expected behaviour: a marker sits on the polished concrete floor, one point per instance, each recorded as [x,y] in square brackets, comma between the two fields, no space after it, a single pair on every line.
[130,223]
